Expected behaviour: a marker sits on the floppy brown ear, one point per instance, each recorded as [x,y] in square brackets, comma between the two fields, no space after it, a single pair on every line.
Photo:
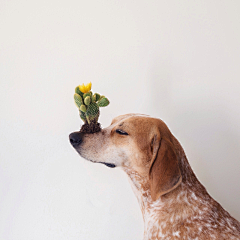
[164,172]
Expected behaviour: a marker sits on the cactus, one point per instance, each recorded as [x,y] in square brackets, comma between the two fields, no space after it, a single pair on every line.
[86,94]
[78,100]
[101,97]
[88,105]
[83,116]
[87,100]
[94,98]
[83,108]
[97,96]
[92,113]
[77,90]
[103,102]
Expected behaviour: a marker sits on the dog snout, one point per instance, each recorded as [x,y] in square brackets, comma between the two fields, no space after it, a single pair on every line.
[76,138]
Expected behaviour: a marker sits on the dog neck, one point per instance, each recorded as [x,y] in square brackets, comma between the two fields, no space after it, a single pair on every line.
[169,210]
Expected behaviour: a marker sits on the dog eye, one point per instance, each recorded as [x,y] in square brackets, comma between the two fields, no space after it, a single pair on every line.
[119,131]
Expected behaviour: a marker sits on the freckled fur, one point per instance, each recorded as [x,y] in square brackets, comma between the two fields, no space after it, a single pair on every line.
[187,212]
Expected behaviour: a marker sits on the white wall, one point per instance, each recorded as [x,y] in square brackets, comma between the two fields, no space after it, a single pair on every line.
[176,60]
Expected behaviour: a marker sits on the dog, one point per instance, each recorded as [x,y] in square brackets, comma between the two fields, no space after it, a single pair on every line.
[174,204]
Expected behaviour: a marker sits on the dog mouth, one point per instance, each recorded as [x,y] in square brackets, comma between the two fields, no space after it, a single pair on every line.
[111,165]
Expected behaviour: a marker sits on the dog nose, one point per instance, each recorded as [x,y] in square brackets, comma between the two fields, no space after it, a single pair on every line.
[76,138]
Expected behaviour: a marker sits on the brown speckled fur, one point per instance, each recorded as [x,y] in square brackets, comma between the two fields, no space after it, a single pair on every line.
[178,209]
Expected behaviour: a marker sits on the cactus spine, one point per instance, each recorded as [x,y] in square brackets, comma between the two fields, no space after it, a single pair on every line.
[88,105]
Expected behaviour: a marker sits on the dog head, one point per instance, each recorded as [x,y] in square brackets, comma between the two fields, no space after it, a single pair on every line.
[138,142]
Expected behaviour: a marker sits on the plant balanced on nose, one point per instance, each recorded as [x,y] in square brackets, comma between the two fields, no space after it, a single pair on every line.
[88,105]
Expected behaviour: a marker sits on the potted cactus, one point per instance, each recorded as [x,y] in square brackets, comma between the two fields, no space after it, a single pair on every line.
[88,105]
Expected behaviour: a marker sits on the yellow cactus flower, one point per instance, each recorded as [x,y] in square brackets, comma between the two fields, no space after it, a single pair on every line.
[85,88]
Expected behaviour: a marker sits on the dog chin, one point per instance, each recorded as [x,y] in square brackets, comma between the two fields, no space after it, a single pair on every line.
[110,165]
